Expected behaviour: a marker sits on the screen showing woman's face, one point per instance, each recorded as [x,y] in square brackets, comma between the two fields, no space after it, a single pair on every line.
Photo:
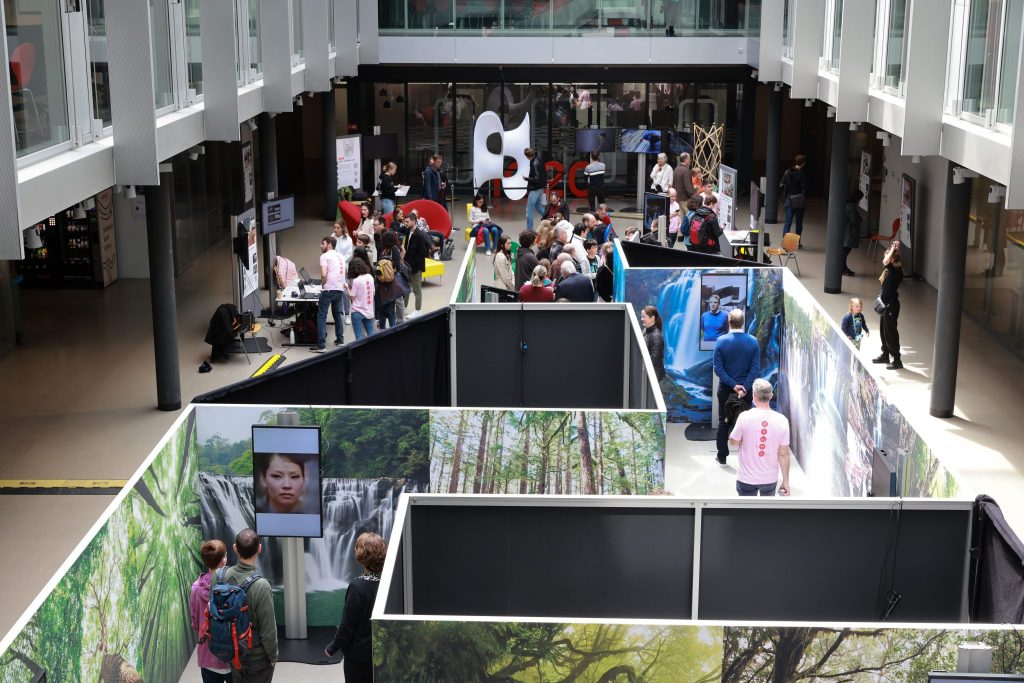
[285,483]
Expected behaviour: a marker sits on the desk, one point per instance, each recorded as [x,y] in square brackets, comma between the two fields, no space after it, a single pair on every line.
[732,239]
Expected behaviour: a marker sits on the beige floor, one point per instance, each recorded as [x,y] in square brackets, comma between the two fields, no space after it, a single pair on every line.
[81,394]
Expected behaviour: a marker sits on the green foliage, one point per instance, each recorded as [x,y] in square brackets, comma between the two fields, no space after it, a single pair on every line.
[242,465]
[217,455]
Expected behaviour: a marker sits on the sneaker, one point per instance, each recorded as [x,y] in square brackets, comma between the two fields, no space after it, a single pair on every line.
[339,342]
[488,252]
[348,320]
[317,349]
[896,364]
[720,459]
[884,358]
[412,314]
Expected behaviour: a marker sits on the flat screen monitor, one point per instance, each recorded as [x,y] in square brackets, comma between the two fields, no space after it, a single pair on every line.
[286,481]
[655,206]
[719,294]
[755,200]
[629,118]
[596,140]
[380,146]
[678,142]
[642,140]
[278,214]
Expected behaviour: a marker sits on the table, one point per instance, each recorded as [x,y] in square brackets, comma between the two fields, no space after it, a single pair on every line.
[740,239]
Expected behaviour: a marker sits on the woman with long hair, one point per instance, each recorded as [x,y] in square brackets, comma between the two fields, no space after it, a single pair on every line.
[603,281]
[388,294]
[503,263]
[386,187]
[480,219]
[545,236]
[361,291]
[538,288]
[651,320]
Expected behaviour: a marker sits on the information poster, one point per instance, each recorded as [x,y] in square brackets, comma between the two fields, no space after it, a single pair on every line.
[349,161]
[250,271]
[248,179]
[864,180]
[726,211]
[907,190]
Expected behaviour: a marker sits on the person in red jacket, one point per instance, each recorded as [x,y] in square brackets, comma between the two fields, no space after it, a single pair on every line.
[535,291]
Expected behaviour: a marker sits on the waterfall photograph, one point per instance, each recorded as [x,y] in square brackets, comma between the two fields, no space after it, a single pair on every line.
[370,457]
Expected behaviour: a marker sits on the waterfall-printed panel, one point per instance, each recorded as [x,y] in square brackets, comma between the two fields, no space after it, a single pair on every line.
[370,457]
[676,293]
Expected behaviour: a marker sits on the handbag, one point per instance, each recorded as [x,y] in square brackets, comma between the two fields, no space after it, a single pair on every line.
[880,305]
[797,201]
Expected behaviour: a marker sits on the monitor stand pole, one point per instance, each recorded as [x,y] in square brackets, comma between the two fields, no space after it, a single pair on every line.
[294,570]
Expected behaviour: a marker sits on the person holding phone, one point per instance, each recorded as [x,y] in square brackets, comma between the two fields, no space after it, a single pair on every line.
[891,277]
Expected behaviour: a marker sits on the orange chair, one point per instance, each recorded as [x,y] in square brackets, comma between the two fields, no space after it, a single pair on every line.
[22,66]
[876,240]
[790,245]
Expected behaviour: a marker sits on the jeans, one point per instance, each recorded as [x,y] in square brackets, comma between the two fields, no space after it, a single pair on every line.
[722,436]
[754,489]
[387,206]
[400,309]
[790,214]
[670,238]
[330,298]
[491,234]
[388,315]
[534,202]
[361,325]
[210,676]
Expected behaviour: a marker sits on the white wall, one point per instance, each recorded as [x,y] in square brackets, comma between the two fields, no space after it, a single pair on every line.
[930,176]
[132,241]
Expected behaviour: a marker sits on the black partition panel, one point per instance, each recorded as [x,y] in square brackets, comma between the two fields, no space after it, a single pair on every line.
[832,564]
[414,357]
[552,562]
[640,255]
[541,358]
[396,590]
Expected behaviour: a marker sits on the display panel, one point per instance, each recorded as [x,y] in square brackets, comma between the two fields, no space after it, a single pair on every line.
[679,142]
[286,481]
[347,150]
[655,206]
[278,214]
[380,146]
[720,293]
[596,140]
[642,140]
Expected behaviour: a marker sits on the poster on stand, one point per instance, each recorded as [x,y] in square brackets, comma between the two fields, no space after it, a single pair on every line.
[349,161]
[907,191]
[726,211]
[864,180]
[250,269]
[248,181]
[727,182]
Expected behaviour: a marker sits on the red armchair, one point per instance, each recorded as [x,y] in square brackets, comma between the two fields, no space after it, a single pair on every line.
[436,216]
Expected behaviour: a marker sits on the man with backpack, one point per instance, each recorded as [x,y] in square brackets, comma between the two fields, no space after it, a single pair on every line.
[213,670]
[705,231]
[794,198]
[242,623]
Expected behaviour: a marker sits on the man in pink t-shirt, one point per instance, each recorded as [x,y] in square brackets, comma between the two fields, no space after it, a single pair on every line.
[763,439]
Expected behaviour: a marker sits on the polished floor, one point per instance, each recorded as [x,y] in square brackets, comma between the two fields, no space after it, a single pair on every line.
[81,394]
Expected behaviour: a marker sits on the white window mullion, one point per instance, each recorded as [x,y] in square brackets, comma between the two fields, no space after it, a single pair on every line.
[242,48]
[76,75]
[179,57]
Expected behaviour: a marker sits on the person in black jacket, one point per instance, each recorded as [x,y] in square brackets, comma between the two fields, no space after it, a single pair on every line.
[794,197]
[417,250]
[651,320]
[535,184]
[387,188]
[353,637]
[710,231]
[604,282]
[890,278]
[526,260]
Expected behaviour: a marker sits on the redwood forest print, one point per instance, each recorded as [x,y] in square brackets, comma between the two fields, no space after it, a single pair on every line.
[547,452]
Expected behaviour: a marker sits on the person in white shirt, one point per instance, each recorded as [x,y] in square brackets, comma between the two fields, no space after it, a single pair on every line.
[344,246]
[661,174]
[332,289]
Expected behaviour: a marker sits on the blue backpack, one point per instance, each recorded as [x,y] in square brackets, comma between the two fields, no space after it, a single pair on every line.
[230,635]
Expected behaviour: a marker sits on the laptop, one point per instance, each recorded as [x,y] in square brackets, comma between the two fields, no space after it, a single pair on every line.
[306,279]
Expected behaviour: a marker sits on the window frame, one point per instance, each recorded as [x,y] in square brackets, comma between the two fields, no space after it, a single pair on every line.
[959,44]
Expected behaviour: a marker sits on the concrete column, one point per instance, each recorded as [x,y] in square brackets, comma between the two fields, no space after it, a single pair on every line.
[748,114]
[266,132]
[838,188]
[774,141]
[330,157]
[949,308]
[161,291]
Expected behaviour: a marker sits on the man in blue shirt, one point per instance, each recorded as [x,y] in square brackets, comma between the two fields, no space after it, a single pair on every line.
[432,186]
[714,322]
[737,361]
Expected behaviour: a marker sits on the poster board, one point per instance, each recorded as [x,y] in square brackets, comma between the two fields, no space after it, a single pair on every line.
[727,197]
[720,293]
[349,158]
[655,206]
[250,267]
[908,189]
[864,180]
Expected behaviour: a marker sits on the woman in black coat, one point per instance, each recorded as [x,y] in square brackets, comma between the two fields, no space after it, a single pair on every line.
[651,320]
[353,637]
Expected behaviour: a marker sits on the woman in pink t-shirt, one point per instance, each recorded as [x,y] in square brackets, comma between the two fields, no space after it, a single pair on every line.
[361,293]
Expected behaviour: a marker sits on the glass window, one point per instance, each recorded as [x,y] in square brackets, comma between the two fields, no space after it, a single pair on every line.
[36,64]
[330,24]
[254,36]
[98,73]
[896,43]
[837,28]
[1009,61]
[160,29]
[297,29]
[193,49]
[787,35]
[430,121]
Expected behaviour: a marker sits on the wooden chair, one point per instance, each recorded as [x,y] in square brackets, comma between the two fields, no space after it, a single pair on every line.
[877,240]
[790,245]
[247,325]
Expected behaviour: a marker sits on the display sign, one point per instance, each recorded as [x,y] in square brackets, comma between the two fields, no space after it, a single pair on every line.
[720,293]
[250,269]
[350,173]
[726,197]
[380,146]
[596,140]
[908,188]
[278,214]
[248,174]
[755,203]
[655,206]
[286,481]
[642,141]
[864,180]
[488,165]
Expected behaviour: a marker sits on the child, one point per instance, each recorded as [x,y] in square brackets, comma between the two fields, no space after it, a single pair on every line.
[854,326]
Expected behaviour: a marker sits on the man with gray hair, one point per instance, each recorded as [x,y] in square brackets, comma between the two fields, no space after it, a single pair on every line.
[574,286]
[763,439]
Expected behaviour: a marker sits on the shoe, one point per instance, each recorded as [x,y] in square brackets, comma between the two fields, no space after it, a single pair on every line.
[487,252]
[720,459]
[849,272]
[896,364]
[205,367]
[884,358]
[348,320]
[412,314]
[339,342]
[317,349]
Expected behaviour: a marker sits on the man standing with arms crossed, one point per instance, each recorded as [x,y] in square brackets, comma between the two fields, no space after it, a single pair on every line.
[763,439]
[737,361]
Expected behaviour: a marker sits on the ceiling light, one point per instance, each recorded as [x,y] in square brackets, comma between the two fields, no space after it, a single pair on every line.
[129,192]
[400,100]
[89,204]
[854,126]
[383,92]
[32,239]
[79,212]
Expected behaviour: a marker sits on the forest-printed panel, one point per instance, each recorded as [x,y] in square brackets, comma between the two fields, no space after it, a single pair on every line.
[479,652]
[553,452]
[677,294]
[120,614]
[842,412]
[370,456]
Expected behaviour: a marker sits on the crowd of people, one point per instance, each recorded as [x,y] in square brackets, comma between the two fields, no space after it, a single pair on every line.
[232,613]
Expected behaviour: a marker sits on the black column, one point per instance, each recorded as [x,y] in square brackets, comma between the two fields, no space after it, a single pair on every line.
[329,110]
[748,114]
[266,134]
[774,141]
[949,308]
[161,291]
[838,188]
